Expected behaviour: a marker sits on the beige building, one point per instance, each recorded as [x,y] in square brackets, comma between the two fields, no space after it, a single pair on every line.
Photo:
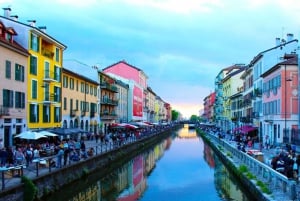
[13,85]
[122,107]
[79,102]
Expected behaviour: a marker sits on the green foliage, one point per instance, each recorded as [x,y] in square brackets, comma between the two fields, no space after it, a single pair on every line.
[30,190]
[175,115]
[229,154]
[263,187]
[250,175]
[243,168]
[195,118]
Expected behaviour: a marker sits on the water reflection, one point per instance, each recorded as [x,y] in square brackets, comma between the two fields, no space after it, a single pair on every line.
[174,169]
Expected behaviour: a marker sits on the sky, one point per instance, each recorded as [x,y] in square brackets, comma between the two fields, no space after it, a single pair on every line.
[180,45]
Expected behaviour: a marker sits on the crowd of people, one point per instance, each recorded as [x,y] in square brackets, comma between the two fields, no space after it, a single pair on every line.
[286,160]
[64,151]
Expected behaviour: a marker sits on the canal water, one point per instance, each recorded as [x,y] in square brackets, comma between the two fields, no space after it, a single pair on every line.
[179,168]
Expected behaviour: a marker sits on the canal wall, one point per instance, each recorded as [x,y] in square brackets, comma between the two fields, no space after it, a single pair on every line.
[249,186]
[100,164]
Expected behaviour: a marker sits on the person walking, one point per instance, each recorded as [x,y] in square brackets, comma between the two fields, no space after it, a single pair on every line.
[59,158]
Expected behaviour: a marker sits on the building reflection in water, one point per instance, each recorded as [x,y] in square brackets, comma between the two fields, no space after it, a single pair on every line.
[226,185]
[129,182]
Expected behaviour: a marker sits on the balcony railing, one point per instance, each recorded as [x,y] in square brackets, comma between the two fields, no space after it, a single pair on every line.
[4,111]
[73,113]
[105,85]
[109,101]
[47,53]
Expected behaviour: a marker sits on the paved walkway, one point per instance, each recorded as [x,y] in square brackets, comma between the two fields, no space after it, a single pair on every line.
[31,171]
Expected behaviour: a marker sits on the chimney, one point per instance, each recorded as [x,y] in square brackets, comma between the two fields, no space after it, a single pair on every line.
[14,17]
[31,22]
[43,28]
[289,37]
[277,41]
[7,12]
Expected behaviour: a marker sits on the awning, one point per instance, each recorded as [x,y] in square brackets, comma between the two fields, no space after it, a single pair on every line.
[245,129]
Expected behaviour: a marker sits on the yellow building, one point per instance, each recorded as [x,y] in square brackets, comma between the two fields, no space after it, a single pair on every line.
[79,102]
[44,72]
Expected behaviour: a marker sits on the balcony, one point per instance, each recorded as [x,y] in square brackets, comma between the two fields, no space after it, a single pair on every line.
[82,113]
[4,111]
[93,114]
[257,92]
[108,115]
[110,87]
[73,113]
[49,76]
[47,53]
[108,101]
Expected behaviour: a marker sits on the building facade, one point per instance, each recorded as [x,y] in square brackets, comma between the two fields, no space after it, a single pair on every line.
[13,85]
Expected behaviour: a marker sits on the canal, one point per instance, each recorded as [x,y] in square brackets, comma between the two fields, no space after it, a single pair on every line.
[179,168]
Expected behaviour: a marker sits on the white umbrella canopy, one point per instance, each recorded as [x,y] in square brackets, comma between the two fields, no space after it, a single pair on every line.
[47,133]
[30,135]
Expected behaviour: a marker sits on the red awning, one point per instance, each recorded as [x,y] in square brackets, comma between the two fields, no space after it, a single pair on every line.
[245,129]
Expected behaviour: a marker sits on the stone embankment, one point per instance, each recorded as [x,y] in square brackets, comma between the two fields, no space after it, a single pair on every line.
[50,182]
[264,183]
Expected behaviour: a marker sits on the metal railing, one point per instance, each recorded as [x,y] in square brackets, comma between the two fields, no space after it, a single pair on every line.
[278,183]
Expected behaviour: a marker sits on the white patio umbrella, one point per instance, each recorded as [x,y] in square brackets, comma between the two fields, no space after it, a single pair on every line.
[30,135]
[47,133]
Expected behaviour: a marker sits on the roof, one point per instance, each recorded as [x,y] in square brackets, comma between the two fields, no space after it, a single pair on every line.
[124,62]
[12,45]
[259,55]
[291,60]
[36,29]
[80,69]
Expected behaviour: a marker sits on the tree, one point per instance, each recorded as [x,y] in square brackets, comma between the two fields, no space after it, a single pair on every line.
[175,115]
[195,118]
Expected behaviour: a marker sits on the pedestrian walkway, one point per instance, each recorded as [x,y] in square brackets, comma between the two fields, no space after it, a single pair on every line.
[11,177]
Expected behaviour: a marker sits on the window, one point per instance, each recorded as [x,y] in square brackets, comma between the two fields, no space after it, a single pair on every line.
[95,91]
[19,73]
[76,106]
[57,116]
[82,87]
[76,85]
[34,89]
[57,52]
[57,73]
[47,69]
[8,37]
[86,88]
[71,83]
[34,42]
[8,69]
[8,98]
[65,103]
[19,100]
[46,114]
[71,104]
[56,94]
[33,65]
[46,92]
[65,81]
[34,113]
[91,90]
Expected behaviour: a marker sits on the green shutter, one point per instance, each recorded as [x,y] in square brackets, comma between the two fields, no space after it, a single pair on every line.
[8,69]
[34,89]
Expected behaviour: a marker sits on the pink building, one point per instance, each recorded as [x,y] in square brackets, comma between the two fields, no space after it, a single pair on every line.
[280,102]
[137,81]
[209,102]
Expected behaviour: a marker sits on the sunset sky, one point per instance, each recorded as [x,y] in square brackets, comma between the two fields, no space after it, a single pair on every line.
[180,45]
